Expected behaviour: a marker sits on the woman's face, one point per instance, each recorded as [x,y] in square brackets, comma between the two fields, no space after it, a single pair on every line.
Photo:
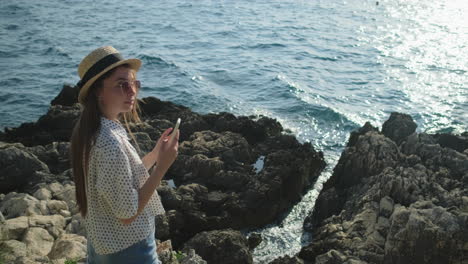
[118,92]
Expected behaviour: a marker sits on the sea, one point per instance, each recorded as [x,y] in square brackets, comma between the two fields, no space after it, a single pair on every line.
[322,68]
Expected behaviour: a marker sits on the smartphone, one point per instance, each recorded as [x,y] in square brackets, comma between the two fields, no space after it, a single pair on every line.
[176,128]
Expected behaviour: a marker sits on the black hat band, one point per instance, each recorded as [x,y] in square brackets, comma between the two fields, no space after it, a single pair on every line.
[99,67]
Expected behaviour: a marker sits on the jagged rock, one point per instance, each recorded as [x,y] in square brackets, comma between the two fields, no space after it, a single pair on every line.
[43,194]
[55,126]
[371,153]
[162,114]
[65,213]
[43,207]
[54,224]
[162,227]
[287,260]
[38,241]
[68,96]
[164,251]
[69,246]
[14,228]
[398,127]
[145,143]
[455,142]
[254,240]
[34,259]
[55,188]
[12,250]
[386,206]
[55,155]
[331,257]
[55,206]
[424,232]
[18,168]
[354,136]
[221,246]
[389,203]
[192,258]
[248,128]
[67,194]
[228,192]
[76,226]
[19,204]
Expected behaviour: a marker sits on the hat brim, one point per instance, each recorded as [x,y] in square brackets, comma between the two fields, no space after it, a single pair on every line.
[135,64]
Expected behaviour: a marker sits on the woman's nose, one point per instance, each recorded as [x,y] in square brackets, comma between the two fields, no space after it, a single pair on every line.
[132,90]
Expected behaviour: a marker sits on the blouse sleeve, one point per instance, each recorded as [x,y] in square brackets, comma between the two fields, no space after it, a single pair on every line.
[115,181]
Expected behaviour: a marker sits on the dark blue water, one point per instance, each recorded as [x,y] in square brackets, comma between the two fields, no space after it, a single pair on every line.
[322,68]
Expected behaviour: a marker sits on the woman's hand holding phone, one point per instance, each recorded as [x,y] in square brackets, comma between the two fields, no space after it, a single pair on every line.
[167,147]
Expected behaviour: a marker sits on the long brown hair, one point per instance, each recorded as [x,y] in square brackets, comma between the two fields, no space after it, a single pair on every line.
[84,136]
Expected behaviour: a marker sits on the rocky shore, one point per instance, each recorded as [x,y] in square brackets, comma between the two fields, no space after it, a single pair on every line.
[395,196]
[218,191]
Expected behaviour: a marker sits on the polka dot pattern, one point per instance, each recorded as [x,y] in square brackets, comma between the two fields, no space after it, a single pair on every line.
[116,173]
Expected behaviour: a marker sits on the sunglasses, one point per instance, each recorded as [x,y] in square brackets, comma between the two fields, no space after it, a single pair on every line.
[126,86]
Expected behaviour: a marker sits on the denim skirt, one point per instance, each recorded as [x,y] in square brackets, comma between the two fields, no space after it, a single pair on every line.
[142,252]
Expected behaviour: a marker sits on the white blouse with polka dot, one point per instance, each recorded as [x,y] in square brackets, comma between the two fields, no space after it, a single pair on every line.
[116,173]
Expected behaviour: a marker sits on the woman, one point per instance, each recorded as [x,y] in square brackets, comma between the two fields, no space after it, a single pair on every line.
[115,194]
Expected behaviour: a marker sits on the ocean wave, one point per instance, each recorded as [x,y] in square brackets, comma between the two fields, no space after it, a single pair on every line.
[258,46]
[267,46]
[323,58]
[157,61]
[56,51]
[11,27]
[4,54]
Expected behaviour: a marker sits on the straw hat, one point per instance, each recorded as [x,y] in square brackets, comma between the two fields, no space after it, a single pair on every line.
[98,62]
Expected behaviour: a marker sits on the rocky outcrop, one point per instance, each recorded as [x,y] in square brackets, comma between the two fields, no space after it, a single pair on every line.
[47,228]
[217,184]
[40,227]
[394,197]
[220,189]
[221,246]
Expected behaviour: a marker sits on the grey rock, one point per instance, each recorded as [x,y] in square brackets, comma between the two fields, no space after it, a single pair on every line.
[55,155]
[221,246]
[55,188]
[192,258]
[69,246]
[254,240]
[38,241]
[14,228]
[218,187]
[17,168]
[331,257]
[12,250]
[386,206]
[389,203]
[162,227]
[288,260]
[398,127]
[67,194]
[55,206]
[54,224]
[68,96]
[19,204]
[43,194]
[76,226]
